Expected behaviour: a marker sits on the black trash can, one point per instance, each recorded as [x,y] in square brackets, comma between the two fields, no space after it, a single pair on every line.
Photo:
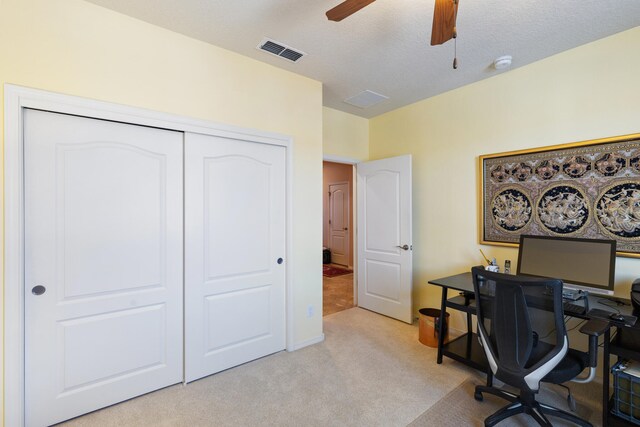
[429,324]
[326,256]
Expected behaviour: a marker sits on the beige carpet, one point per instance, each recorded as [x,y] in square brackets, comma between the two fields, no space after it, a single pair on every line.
[369,371]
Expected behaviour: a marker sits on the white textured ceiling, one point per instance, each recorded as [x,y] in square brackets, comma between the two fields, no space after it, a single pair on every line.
[385,46]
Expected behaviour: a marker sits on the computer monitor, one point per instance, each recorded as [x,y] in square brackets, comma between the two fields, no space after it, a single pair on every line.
[587,264]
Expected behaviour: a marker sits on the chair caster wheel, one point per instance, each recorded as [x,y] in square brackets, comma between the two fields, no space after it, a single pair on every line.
[478,396]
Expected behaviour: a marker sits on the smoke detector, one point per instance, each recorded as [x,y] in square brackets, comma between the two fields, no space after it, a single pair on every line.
[502,62]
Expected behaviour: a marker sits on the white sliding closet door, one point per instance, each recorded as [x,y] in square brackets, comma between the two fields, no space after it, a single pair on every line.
[234,252]
[103,263]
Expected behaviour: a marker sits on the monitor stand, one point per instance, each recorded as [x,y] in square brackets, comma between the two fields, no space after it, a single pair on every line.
[571,294]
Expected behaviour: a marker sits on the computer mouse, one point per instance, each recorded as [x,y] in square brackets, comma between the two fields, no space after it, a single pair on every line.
[616,316]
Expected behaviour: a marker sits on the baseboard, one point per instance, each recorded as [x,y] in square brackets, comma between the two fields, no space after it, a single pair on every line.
[306,343]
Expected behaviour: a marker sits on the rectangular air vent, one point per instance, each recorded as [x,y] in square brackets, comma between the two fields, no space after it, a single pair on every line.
[279,49]
[365,99]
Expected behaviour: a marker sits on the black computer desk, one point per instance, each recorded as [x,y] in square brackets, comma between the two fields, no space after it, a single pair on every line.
[466,348]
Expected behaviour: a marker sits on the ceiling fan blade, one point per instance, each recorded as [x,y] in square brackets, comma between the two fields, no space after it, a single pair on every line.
[444,21]
[346,8]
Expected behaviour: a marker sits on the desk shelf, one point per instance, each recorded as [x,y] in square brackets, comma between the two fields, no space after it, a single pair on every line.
[624,353]
[459,303]
[466,349]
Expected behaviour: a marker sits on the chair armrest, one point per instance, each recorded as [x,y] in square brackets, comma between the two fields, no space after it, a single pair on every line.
[594,328]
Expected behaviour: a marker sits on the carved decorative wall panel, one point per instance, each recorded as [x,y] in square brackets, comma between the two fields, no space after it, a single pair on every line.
[588,189]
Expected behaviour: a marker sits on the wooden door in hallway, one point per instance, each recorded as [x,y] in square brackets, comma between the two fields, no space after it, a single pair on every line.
[339,213]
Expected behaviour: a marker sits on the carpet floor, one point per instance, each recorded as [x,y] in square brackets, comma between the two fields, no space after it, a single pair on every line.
[369,371]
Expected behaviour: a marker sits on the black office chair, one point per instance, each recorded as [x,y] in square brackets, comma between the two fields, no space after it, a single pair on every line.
[521,329]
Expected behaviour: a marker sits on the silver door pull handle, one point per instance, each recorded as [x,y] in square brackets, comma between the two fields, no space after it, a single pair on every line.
[403,247]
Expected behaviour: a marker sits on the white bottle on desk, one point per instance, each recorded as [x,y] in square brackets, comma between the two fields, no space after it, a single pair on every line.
[493,266]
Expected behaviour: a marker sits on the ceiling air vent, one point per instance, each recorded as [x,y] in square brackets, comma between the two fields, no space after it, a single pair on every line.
[365,99]
[279,49]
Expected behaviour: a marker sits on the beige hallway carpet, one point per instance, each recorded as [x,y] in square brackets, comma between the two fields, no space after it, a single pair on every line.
[369,371]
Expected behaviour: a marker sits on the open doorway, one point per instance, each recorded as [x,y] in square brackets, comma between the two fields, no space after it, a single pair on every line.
[337,237]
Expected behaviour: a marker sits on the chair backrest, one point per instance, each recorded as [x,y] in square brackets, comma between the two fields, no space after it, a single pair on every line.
[520,325]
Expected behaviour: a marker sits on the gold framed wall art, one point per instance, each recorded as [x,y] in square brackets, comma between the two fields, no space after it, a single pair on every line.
[588,189]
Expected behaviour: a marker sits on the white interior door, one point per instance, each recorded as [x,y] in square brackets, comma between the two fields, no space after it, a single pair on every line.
[234,252]
[103,263]
[384,237]
[339,222]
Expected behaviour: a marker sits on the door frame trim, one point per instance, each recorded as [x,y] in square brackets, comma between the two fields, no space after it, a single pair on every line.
[16,99]
[354,213]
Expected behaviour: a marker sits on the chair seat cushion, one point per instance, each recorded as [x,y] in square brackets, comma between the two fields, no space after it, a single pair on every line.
[573,363]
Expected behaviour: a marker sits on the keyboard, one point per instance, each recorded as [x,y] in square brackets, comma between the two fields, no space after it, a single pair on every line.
[571,309]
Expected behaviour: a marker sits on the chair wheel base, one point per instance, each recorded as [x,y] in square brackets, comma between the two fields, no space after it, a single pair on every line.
[478,396]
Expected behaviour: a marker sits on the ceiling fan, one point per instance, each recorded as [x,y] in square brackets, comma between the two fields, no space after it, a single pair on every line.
[444,17]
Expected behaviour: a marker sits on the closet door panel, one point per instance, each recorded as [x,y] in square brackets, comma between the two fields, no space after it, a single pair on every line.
[103,263]
[235,233]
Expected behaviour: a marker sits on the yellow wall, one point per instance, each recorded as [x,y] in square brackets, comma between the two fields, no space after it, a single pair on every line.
[581,94]
[345,135]
[77,48]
